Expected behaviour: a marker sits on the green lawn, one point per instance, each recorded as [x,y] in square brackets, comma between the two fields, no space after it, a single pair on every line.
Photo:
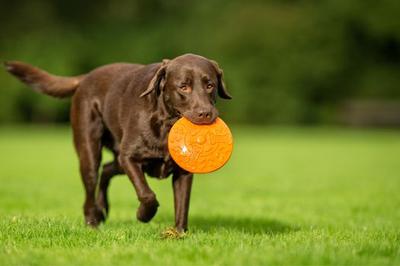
[288,196]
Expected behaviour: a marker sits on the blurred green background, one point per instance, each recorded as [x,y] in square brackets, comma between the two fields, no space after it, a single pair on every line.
[290,195]
[289,61]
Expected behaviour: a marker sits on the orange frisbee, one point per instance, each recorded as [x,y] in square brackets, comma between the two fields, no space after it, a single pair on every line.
[200,148]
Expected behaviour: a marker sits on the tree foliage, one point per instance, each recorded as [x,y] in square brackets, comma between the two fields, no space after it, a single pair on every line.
[284,61]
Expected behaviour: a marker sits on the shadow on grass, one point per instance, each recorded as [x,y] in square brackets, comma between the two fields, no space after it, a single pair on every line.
[247,225]
[244,225]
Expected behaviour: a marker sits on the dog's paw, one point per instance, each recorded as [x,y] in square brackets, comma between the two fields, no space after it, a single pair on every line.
[147,210]
[95,218]
[173,233]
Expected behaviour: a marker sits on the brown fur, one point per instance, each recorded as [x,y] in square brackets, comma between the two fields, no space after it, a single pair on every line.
[129,109]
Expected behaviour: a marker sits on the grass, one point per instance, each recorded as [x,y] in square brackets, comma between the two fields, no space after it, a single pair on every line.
[288,196]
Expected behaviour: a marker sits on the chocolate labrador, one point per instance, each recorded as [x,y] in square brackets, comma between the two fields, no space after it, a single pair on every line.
[129,109]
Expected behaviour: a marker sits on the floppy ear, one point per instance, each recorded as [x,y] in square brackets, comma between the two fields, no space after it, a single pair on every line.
[222,91]
[154,84]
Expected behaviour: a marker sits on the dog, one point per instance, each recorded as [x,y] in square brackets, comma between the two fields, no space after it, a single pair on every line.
[129,109]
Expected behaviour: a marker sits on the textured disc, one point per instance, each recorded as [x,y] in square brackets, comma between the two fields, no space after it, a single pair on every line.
[200,148]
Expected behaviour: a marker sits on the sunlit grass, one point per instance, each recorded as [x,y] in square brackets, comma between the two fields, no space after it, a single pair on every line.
[293,196]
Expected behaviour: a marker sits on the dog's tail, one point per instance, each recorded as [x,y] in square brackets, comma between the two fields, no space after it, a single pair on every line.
[42,81]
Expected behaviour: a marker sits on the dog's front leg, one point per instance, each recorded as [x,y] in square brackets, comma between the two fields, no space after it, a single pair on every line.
[182,185]
[148,202]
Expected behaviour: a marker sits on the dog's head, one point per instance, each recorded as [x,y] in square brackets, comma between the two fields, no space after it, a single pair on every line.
[189,85]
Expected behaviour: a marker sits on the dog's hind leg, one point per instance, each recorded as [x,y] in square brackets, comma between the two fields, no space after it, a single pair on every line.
[88,128]
[109,170]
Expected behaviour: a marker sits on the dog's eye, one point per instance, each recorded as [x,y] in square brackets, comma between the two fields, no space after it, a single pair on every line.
[210,86]
[184,88]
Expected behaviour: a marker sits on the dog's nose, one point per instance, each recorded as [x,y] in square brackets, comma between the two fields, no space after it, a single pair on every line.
[204,114]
